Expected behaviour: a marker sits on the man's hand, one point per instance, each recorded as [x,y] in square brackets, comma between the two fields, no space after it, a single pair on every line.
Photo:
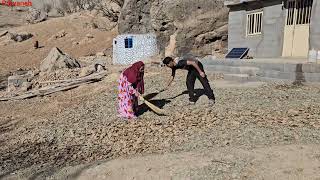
[196,66]
[202,74]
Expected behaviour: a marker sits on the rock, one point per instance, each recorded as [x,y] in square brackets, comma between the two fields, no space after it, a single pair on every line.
[100,54]
[19,37]
[26,86]
[100,68]
[58,60]
[292,112]
[60,34]
[108,51]
[169,50]
[20,82]
[90,36]
[35,16]
[96,67]
[85,71]
[75,43]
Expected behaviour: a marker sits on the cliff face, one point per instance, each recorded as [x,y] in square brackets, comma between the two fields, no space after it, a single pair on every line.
[195,26]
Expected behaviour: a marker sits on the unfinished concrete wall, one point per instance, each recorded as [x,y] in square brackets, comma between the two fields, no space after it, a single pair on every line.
[315,26]
[269,43]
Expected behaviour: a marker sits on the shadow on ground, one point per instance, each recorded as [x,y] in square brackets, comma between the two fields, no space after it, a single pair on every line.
[198,94]
[143,108]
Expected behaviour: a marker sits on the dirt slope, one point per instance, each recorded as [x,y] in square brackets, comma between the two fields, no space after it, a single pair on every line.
[10,18]
[14,55]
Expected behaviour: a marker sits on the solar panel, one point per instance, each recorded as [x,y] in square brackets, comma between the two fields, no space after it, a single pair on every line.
[238,53]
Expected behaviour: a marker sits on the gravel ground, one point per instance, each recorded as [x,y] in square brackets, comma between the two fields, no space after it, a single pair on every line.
[40,136]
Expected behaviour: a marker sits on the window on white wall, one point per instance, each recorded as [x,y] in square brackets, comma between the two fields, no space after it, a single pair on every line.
[128,43]
[254,23]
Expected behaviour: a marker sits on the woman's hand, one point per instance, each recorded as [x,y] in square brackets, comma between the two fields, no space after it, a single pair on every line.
[137,94]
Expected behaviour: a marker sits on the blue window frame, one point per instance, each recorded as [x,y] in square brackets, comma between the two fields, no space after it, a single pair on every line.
[128,43]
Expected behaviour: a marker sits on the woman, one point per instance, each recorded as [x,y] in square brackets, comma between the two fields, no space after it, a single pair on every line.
[131,85]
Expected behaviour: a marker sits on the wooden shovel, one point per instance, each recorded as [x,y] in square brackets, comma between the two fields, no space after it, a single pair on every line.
[153,107]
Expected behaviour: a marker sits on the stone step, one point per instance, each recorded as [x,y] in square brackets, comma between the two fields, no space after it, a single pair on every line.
[272,80]
[237,77]
[252,71]
[293,76]
[281,66]
[276,74]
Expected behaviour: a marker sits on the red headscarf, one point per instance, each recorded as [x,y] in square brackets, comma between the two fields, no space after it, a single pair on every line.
[134,76]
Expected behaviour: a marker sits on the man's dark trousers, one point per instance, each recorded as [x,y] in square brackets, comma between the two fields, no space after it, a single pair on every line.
[193,74]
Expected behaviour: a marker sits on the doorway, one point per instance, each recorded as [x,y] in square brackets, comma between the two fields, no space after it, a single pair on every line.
[297,27]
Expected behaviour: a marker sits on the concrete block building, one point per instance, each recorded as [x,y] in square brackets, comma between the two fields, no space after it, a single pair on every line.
[130,48]
[274,28]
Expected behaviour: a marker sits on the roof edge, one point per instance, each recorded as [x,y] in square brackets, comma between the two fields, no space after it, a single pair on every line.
[237,2]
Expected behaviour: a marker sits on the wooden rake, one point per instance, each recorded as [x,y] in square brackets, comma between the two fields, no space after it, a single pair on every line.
[153,107]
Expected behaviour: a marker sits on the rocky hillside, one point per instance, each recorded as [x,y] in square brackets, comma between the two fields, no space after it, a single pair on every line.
[195,26]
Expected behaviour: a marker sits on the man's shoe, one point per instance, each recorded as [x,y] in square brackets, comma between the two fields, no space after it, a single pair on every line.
[191,103]
[212,102]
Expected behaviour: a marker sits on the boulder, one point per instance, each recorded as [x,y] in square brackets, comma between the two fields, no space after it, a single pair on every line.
[20,82]
[14,82]
[19,37]
[100,54]
[35,16]
[98,66]
[58,60]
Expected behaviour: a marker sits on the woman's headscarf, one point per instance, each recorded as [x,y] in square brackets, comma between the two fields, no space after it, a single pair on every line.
[134,76]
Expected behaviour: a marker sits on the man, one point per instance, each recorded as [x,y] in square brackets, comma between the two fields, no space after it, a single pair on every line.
[195,71]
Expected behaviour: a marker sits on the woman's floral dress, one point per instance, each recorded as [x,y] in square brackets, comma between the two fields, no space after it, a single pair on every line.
[128,102]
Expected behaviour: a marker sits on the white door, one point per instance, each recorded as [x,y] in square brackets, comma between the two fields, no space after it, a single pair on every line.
[297,27]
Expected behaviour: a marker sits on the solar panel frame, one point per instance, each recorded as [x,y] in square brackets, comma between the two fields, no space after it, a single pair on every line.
[237,53]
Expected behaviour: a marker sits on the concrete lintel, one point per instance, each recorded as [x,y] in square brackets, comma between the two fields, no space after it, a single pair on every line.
[237,2]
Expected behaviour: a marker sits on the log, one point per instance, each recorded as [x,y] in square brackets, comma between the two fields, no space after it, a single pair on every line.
[63,85]
[95,76]
[3,33]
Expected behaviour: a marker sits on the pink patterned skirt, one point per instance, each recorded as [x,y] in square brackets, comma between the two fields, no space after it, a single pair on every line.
[128,102]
